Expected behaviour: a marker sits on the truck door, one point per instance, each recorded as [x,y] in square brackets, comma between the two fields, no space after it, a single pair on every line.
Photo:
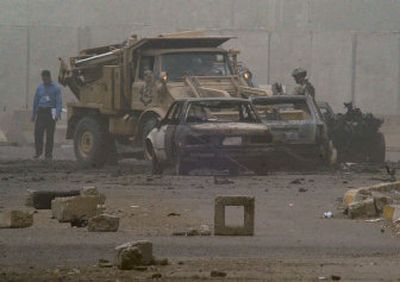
[142,94]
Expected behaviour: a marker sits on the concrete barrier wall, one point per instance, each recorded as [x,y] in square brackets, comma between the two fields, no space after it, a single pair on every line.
[350,47]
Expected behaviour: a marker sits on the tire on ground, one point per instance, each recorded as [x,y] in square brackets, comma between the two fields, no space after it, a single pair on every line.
[92,143]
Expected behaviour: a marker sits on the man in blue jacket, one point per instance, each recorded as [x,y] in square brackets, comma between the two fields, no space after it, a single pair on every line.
[47,106]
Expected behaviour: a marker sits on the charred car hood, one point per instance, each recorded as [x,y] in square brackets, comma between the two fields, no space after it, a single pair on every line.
[230,129]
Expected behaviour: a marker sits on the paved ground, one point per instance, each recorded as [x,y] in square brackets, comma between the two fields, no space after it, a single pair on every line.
[292,240]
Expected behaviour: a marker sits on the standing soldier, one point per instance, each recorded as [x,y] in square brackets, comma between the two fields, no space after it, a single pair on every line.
[47,106]
[304,86]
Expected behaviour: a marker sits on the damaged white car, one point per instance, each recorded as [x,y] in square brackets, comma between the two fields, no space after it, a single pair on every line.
[223,133]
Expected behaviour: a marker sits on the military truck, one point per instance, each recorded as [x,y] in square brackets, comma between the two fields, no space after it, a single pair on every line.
[124,89]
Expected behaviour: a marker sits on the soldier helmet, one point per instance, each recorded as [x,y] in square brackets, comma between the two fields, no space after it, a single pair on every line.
[299,72]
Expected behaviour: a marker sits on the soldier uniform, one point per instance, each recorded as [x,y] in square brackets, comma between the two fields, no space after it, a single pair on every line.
[304,86]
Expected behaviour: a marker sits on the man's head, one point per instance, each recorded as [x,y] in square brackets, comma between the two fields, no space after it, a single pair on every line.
[299,75]
[46,76]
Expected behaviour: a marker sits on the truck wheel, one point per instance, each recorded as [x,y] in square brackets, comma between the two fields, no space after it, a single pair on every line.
[92,144]
[377,151]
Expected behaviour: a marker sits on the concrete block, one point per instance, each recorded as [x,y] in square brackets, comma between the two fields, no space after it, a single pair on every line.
[355,195]
[15,219]
[128,258]
[92,191]
[41,200]
[362,209]
[391,212]
[72,208]
[248,204]
[145,247]
[381,200]
[103,223]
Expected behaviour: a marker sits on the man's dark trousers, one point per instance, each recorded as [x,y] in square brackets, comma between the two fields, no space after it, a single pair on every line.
[44,124]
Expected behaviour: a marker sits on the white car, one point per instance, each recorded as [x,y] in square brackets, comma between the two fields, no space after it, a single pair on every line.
[209,132]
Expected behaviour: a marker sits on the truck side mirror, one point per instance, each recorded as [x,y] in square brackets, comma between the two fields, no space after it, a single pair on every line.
[164,77]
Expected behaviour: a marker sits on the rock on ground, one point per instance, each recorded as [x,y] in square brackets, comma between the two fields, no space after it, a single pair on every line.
[15,219]
[362,209]
[103,223]
[146,250]
[128,258]
[72,208]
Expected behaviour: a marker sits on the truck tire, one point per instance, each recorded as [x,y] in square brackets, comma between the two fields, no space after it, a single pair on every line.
[92,143]
[377,151]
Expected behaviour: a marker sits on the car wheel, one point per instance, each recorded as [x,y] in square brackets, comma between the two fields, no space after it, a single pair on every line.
[181,167]
[148,122]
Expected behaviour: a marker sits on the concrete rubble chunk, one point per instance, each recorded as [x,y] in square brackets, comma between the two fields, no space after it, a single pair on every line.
[391,212]
[92,191]
[381,200]
[71,208]
[355,195]
[41,200]
[128,258]
[15,219]
[362,209]
[103,223]
[145,247]
[248,203]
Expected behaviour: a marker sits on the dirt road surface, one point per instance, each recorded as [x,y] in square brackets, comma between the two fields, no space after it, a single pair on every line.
[292,241]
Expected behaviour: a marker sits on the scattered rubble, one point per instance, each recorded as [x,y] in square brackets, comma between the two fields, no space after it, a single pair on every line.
[204,230]
[41,200]
[216,273]
[71,208]
[220,180]
[135,253]
[103,223]
[104,263]
[367,202]
[15,219]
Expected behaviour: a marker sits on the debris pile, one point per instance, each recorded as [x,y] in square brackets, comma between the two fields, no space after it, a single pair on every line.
[134,255]
[373,201]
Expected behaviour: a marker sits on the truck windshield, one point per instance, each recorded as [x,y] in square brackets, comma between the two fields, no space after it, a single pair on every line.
[177,65]
[220,111]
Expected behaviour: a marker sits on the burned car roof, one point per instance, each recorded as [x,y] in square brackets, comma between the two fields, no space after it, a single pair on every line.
[280,98]
[213,99]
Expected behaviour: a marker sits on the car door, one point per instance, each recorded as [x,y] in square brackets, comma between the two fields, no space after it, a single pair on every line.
[170,144]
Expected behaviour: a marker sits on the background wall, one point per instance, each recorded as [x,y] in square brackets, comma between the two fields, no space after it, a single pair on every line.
[351,48]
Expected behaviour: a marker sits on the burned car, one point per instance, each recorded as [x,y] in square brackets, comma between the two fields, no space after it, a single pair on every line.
[208,132]
[299,132]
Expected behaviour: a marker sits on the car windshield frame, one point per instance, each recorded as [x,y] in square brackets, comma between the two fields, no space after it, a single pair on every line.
[272,102]
[252,116]
[178,69]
